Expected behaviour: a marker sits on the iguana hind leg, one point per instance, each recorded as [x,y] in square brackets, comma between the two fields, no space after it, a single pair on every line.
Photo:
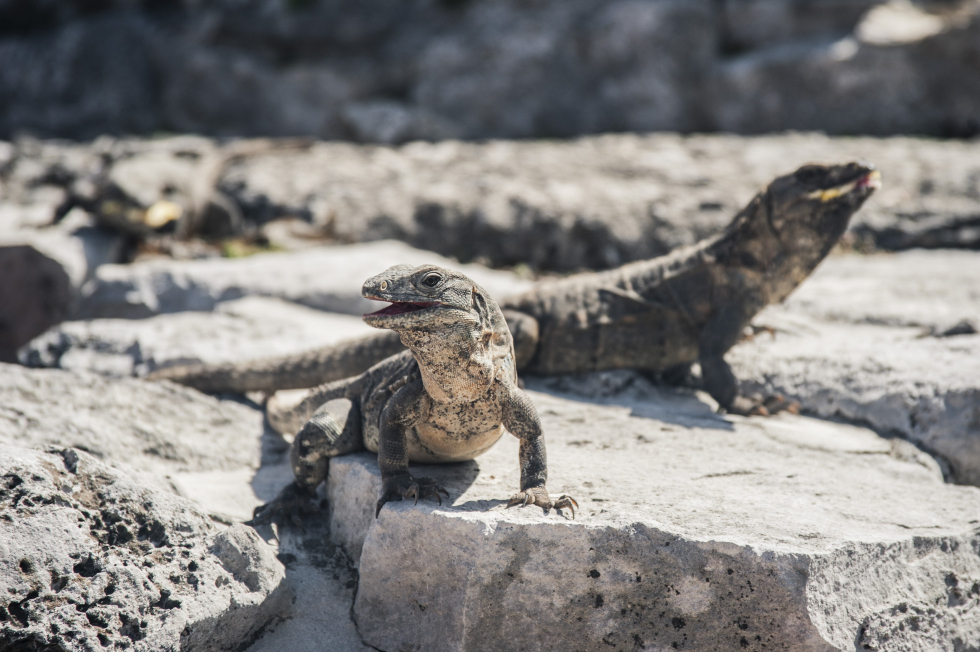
[334,429]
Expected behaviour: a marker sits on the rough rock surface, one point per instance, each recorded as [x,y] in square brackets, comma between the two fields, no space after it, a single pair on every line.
[396,71]
[176,438]
[695,532]
[327,278]
[886,340]
[91,559]
[252,327]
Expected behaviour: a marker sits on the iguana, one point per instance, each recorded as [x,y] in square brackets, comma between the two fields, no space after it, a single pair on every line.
[449,398]
[691,305]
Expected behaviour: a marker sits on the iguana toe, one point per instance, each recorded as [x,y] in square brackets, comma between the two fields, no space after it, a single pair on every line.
[401,487]
[760,406]
[293,503]
[539,496]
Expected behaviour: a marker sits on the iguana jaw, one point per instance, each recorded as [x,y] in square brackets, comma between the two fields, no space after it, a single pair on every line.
[869,181]
[400,312]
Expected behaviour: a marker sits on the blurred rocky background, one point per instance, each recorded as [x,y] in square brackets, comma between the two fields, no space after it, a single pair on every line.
[396,70]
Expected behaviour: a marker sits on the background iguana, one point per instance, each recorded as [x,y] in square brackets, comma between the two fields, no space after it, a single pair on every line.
[448,399]
[660,314]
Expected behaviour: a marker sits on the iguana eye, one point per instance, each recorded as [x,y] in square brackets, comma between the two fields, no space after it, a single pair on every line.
[431,280]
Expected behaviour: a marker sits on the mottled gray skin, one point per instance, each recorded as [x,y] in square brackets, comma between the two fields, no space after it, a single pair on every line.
[662,314]
[449,398]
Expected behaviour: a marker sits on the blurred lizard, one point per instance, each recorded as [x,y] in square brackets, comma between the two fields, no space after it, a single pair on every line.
[663,314]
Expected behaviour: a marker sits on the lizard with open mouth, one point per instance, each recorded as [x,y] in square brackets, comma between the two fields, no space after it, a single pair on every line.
[659,315]
[448,399]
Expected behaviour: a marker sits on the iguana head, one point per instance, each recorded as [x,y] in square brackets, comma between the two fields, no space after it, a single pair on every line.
[810,208]
[454,329]
[428,298]
[788,228]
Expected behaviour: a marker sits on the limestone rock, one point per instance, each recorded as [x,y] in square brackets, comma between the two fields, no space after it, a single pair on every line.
[176,438]
[862,341]
[90,558]
[327,278]
[252,327]
[695,532]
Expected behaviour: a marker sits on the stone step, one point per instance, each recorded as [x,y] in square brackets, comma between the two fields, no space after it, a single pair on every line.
[694,532]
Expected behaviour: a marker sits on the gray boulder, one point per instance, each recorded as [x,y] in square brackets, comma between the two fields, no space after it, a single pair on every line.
[693,532]
[91,559]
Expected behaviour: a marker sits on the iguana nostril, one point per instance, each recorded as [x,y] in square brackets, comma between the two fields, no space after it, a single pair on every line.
[384,285]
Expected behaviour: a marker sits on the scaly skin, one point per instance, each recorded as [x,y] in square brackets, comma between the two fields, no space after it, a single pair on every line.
[448,399]
[658,315]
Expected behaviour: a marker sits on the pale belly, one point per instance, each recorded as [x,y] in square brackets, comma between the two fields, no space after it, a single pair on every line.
[455,432]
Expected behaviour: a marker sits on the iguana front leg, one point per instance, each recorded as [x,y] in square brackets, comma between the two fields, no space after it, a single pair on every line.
[720,334]
[408,406]
[521,419]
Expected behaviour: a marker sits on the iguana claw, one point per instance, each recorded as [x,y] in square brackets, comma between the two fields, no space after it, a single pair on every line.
[539,496]
[408,487]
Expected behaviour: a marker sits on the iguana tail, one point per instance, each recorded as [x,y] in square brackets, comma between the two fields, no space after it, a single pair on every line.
[289,418]
[306,369]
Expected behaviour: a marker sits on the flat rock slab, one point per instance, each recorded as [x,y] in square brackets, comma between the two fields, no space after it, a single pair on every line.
[695,532]
[91,559]
[858,341]
[252,327]
[174,437]
[326,278]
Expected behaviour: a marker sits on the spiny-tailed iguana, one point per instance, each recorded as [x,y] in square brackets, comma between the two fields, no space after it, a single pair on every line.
[688,306]
[447,399]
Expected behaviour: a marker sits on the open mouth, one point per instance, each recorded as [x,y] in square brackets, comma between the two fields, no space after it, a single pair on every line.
[870,180]
[402,307]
